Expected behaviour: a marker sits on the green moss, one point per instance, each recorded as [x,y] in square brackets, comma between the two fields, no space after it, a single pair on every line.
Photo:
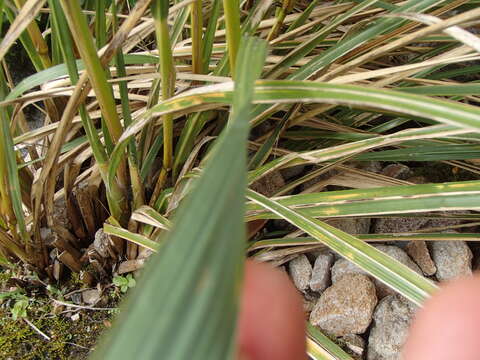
[69,339]
[4,276]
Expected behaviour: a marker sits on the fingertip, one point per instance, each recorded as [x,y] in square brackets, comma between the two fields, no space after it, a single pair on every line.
[447,326]
[271,323]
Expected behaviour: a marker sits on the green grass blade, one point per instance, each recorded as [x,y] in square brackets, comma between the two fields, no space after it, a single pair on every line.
[147,215]
[214,227]
[232,23]
[425,153]
[9,166]
[307,240]
[379,27]
[405,199]
[329,350]
[131,237]
[303,18]
[284,91]
[305,48]
[168,76]
[20,24]
[79,27]
[381,266]
[209,37]
[196,19]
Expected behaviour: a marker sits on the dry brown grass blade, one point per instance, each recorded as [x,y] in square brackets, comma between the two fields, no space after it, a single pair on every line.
[460,51]
[28,13]
[404,69]
[44,185]
[402,30]
[401,41]
[456,32]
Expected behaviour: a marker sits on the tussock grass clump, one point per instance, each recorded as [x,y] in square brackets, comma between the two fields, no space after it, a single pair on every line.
[158,115]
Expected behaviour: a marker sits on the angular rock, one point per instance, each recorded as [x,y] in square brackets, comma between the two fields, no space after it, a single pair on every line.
[342,267]
[418,251]
[292,172]
[397,171]
[354,345]
[444,222]
[372,166]
[91,297]
[452,258]
[403,225]
[269,184]
[398,225]
[346,307]
[102,243]
[301,272]
[48,236]
[351,225]
[131,265]
[399,255]
[321,272]
[417,179]
[59,215]
[391,322]
[318,181]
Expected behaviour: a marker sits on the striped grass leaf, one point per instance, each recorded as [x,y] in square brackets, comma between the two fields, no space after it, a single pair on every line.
[168,77]
[196,19]
[11,186]
[380,201]
[304,49]
[26,41]
[444,90]
[60,70]
[147,215]
[320,347]
[27,13]
[179,24]
[231,10]
[286,91]
[209,36]
[465,117]
[440,152]
[195,122]
[308,240]
[381,266]
[132,237]
[203,254]
[303,18]
[79,27]
[378,27]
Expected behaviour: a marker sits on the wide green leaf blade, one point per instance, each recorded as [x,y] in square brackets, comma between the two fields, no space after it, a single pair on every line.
[186,303]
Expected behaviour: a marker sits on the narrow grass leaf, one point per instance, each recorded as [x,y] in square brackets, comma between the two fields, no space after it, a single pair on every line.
[381,266]
[131,237]
[320,347]
[380,201]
